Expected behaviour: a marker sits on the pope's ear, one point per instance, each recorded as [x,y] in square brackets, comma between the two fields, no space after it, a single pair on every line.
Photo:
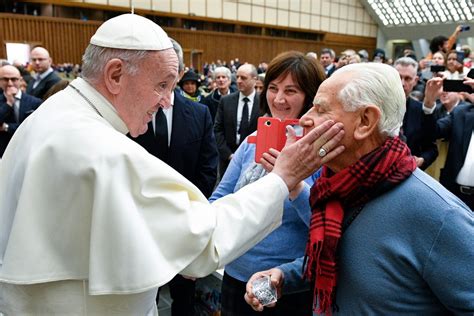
[368,122]
[113,75]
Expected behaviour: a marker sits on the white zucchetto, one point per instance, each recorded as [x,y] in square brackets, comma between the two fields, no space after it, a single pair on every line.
[131,31]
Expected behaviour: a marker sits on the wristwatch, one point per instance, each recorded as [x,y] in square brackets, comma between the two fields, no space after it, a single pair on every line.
[5,127]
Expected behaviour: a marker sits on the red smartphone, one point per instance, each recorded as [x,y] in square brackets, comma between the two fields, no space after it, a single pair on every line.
[271,133]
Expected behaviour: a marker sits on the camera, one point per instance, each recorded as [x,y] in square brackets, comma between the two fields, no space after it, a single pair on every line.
[437,68]
[271,133]
[465,28]
[458,85]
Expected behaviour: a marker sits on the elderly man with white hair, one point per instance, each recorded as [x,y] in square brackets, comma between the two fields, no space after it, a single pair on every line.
[222,78]
[385,238]
[90,222]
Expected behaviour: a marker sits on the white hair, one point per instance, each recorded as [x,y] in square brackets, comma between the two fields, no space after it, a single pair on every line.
[221,70]
[405,62]
[95,58]
[377,84]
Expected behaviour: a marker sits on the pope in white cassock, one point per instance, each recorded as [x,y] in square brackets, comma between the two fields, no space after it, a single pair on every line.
[90,223]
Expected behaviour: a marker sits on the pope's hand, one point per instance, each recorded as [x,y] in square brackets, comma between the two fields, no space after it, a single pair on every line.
[299,158]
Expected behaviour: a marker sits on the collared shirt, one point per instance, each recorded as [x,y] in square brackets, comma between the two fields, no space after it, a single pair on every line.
[240,107]
[169,118]
[466,174]
[16,106]
[41,76]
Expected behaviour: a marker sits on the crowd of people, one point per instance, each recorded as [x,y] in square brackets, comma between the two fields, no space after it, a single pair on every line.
[342,220]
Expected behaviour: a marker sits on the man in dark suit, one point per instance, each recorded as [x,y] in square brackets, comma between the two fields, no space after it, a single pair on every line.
[327,58]
[45,76]
[15,106]
[237,115]
[183,137]
[458,128]
[413,130]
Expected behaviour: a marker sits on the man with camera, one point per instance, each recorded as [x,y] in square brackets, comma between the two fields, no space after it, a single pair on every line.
[458,127]
[421,146]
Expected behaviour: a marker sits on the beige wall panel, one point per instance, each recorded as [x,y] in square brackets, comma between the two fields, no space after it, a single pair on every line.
[244,12]
[258,2]
[270,16]
[334,25]
[316,7]
[315,22]
[258,14]
[366,29]
[283,17]
[197,7]
[295,5]
[120,3]
[334,10]
[305,20]
[343,11]
[180,6]
[325,24]
[141,4]
[373,30]
[352,13]
[294,19]
[359,15]
[161,5]
[230,10]
[214,8]
[343,27]
[359,29]
[95,1]
[271,3]
[306,6]
[325,8]
[284,4]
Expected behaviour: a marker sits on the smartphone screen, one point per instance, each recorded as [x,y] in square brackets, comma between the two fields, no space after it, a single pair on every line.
[456,86]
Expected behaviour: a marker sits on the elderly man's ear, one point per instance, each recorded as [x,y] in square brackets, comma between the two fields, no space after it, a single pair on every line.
[369,118]
[114,75]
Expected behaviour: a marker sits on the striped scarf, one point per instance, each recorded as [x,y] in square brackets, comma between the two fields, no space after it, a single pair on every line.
[374,174]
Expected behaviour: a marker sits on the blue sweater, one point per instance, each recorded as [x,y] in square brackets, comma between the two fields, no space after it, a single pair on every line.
[285,243]
[409,252]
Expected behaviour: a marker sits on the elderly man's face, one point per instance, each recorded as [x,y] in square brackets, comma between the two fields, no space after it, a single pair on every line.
[147,90]
[327,106]
[408,77]
[222,81]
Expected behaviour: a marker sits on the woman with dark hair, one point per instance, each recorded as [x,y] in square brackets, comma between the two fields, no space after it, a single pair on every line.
[455,66]
[290,84]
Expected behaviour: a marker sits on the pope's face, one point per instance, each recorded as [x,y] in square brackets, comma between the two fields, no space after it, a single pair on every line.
[147,90]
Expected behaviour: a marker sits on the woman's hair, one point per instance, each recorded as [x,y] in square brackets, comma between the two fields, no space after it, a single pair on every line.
[306,72]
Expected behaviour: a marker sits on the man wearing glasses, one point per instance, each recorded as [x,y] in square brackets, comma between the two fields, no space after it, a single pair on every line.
[15,105]
[45,76]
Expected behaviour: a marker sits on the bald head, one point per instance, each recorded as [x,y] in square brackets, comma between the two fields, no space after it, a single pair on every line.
[9,77]
[40,59]
[246,79]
